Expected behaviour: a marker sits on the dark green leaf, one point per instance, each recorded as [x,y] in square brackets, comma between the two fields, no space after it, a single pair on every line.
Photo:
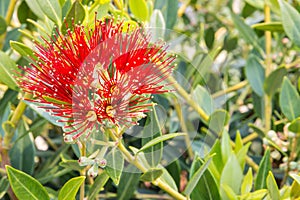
[274,80]
[295,126]
[7,69]
[128,183]
[196,177]
[269,26]
[255,74]
[4,185]
[174,169]
[75,15]
[290,20]
[151,175]
[115,165]
[289,100]
[100,181]
[23,152]
[70,188]
[263,170]
[3,25]
[24,186]
[167,178]
[139,9]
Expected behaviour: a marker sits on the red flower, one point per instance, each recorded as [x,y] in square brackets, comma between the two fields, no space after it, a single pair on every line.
[103,76]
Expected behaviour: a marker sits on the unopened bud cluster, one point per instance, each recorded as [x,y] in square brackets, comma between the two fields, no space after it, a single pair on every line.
[94,163]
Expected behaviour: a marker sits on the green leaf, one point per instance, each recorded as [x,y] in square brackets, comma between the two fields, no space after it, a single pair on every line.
[22,49]
[290,20]
[232,176]
[174,169]
[295,126]
[169,9]
[269,26]
[228,192]
[167,178]
[115,165]
[157,26]
[201,96]
[263,170]
[295,188]
[160,139]
[247,182]
[238,142]
[35,8]
[256,195]
[151,175]
[3,7]
[255,74]
[3,25]
[289,100]
[152,131]
[128,183]
[52,9]
[139,9]
[25,186]
[206,188]
[217,120]
[195,178]
[23,152]
[71,164]
[272,187]
[242,153]
[7,69]
[274,81]
[100,181]
[75,15]
[4,185]
[70,188]
[225,147]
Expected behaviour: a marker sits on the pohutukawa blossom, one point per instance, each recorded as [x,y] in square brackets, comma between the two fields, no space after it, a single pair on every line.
[97,77]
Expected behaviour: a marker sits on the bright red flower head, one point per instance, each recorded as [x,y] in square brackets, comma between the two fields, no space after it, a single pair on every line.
[103,76]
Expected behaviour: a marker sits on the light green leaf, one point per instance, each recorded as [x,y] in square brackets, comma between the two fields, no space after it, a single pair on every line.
[225,147]
[52,9]
[201,96]
[70,188]
[151,175]
[269,26]
[167,178]
[7,68]
[255,74]
[247,182]
[241,155]
[295,189]
[22,49]
[115,165]
[274,81]
[238,142]
[228,192]
[295,126]
[291,21]
[169,9]
[272,187]
[139,9]
[75,15]
[100,181]
[25,186]
[195,178]
[128,183]
[160,139]
[35,8]
[217,120]
[263,170]
[289,100]
[157,26]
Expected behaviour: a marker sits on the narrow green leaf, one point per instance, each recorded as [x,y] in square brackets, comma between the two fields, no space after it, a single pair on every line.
[7,68]
[201,96]
[289,100]
[22,49]
[232,175]
[167,178]
[272,187]
[71,164]
[52,9]
[242,153]
[247,182]
[23,152]
[100,181]
[75,15]
[160,139]
[295,126]
[274,81]
[225,147]
[295,188]
[157,25]
[238,142]
[257,195]
[115,165]
[255,74]
[263,170]
[139,9]
[4,185]
[151,175]
[269,26]
[70,188]
[3,25]
[290,20]
[25,186]
[196,177]
[35,8]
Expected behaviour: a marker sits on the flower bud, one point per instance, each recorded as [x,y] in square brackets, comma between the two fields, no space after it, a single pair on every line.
[84,161]
[101,162]
[93,171]
[69,139]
